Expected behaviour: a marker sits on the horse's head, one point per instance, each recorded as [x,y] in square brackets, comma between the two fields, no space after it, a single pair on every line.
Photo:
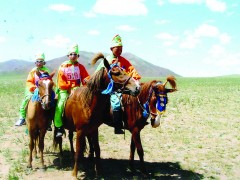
[159,99]
[119,80]
[45,89]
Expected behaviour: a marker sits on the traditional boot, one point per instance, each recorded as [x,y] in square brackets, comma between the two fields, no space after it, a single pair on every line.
[59,131]
[20,122]
[117,120]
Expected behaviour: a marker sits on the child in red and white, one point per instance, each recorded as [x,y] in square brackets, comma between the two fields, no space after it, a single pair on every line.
[71,75]
[115,57]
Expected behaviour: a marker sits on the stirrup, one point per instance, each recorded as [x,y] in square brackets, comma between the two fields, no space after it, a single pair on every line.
[118,131]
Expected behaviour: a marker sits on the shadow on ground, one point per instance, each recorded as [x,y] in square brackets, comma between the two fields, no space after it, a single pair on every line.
[118,169]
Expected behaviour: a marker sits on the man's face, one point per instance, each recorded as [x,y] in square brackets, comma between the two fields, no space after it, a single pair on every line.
[117,50]
[39,63]
[73,56]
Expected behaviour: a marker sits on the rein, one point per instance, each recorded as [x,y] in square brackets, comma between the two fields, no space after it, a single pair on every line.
[124,85]
[160,105]
[109,89]
[145,106]
[36,96]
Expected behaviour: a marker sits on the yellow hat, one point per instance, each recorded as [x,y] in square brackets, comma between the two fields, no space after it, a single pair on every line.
[116,41]
[73,48]
[40,56]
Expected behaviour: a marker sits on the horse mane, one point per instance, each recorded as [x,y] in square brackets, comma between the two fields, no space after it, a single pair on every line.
[96,57]
[145,86]
[94,85]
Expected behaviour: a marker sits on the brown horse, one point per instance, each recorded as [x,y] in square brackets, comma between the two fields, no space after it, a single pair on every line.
[89,105]
[151,101]
[39,113]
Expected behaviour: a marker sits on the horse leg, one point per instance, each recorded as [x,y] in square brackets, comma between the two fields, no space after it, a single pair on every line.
[91,148]
[137,140]
[31,146]
[35,146]
[97,150]
[132,152]
[41,147]
[60,150]
[79,151]
[70,137]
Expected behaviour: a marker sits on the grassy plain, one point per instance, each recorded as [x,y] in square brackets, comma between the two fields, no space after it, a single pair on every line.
[198,138]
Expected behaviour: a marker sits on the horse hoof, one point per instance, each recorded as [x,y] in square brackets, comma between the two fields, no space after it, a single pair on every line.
[91,157]
[131,168]
[145,174]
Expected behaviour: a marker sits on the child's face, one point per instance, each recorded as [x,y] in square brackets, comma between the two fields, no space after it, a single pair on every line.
[39,63]
[73,56]
[117,51]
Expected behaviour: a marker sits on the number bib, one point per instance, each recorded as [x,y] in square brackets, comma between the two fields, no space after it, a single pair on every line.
[72,72]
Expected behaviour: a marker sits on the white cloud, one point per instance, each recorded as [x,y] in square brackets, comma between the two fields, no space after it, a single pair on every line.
[160,2]
[120,8]
[213,5]
[216,51]
[94,32]
[166,39]
[168,43]
[162,21]
[61,7]
[206,30]
[190,42]
[171,52]
[216,5]
[2,39]
[224,38]
[126,28]
[166,36]
[57,41]
[89,14]
[218,56]
[192,39]
[185,1]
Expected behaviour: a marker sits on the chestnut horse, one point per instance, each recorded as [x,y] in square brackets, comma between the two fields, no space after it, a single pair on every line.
[151,101]
[39,113]
[89,105]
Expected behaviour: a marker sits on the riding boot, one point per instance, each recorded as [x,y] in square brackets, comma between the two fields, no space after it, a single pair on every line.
[117,120]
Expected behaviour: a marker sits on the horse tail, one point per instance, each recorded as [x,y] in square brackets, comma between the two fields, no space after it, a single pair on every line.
[172,81]
[96,57]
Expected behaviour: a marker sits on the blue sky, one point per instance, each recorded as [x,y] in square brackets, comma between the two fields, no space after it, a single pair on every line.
[193,38]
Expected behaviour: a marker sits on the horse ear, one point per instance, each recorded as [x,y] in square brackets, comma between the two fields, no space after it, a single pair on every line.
[106,64]
[38,73]
[52,73]
[170,90]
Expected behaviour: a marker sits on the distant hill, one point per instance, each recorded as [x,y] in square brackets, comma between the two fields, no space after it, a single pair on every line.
[144,68]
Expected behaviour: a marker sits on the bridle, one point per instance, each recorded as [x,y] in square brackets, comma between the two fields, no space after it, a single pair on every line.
[109,89]
[145,107]
[51,96]
[123,86]
[161,102]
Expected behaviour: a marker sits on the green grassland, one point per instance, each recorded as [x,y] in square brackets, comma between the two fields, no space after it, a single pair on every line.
[198,138]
